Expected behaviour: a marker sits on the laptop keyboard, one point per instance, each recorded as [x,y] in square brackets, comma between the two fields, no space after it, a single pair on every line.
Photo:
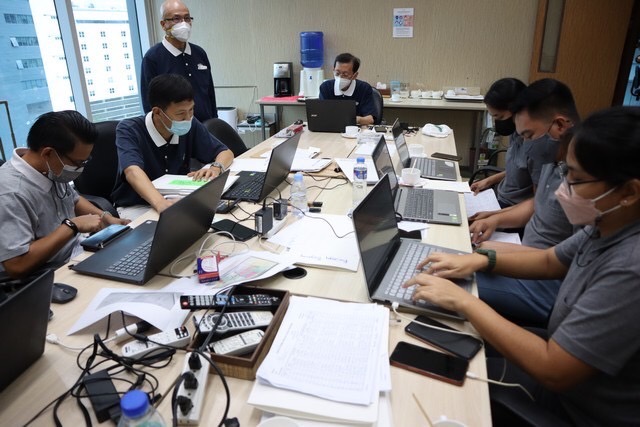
[134,262]
[415,253]
[251,189]
[419,204]
[426,166]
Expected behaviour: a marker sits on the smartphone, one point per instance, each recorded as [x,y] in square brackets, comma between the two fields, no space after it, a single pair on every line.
[239,231]
[444,156]
[463,346]
[430,363]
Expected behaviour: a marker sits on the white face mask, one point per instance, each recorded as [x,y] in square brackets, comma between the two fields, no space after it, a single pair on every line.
[181,31]
[342,84]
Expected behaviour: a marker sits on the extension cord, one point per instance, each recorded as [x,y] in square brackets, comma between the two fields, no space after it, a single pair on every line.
[277,226]
[197,395]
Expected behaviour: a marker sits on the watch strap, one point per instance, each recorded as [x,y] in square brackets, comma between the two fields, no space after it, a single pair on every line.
[219,165]
[72,225]
[491,254]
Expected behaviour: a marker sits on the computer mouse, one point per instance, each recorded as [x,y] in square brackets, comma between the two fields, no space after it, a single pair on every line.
[62,293]
[297,122]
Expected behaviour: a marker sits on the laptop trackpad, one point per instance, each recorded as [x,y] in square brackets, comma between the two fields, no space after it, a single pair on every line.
[446,209]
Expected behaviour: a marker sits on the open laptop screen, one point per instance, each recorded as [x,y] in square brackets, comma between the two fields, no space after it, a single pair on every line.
[376,229]
[403,151]
[382,161]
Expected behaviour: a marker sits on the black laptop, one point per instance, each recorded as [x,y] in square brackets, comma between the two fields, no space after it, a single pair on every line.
[255,186]
[417,204]
[330,115]
[429,168]
[389,260]
[24,315]
[141,253]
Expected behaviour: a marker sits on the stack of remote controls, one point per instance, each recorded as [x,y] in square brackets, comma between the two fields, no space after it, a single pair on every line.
[255,314]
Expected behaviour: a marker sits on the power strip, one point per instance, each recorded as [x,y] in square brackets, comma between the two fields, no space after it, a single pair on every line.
[190,396]
[277,226]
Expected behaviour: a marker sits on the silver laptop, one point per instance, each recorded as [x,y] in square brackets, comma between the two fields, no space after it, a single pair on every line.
[389,260]
[417,204]
[429,168]
[330,115]
[140,254]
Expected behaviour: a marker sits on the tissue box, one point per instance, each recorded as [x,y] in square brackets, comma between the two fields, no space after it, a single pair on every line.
[246,366]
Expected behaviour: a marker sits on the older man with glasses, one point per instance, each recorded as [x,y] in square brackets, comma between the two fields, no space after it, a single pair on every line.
[175,55]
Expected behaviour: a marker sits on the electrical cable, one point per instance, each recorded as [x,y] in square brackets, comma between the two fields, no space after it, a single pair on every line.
[473,376]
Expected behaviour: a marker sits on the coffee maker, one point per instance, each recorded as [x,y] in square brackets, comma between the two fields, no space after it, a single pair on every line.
[282,79]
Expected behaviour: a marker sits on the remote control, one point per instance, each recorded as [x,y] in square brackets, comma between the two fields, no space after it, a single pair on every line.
[239,344]
[230,322]
[194,302]
[178,337]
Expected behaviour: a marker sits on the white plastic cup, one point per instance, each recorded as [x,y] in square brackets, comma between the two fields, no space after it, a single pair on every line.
[415,94]
[410,176]
[426,94]
[436,94]
[416,150]
[451,92]
[351,130]
[395,97]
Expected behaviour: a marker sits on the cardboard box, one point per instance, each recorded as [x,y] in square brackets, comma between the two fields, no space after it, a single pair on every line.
[246,366]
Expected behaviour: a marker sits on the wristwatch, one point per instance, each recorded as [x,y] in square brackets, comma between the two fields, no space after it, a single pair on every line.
[491,254]
[71,225]
[218,165]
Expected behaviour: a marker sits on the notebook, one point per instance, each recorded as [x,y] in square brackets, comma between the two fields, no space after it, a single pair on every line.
[330,115]
[141,253]
[429,168]
[389,260]
[255,186]
[417,204]
[24,316]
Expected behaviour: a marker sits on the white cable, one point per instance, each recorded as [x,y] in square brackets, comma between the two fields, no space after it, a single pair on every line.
[197,253]
[395,306]
[473,376]
[53,339]
[262,241]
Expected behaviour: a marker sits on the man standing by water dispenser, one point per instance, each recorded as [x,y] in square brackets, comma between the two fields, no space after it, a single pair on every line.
[175,55]
[345,86]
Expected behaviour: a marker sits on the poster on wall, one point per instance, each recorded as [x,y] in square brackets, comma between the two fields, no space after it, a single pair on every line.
[403,22]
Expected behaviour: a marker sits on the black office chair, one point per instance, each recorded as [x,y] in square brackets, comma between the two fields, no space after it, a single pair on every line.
[99,176]
[377,99]
[226,134]
[491,167]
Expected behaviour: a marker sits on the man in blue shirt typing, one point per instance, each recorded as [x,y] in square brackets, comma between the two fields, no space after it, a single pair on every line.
[163,142]
[345,86]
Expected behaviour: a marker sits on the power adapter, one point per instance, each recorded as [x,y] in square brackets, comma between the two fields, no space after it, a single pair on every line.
[264,220]
[280,209]
[103,394]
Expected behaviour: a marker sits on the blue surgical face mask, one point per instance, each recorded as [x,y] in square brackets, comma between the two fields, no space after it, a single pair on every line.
[178,127]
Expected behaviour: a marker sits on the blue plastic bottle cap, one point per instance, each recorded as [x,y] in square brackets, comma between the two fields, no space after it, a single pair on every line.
[360,160]
[134,403]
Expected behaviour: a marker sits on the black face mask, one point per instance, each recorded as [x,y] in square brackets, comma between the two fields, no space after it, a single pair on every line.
[505,127]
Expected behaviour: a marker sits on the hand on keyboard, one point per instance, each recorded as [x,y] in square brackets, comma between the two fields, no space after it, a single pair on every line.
[441,292]
[452,265]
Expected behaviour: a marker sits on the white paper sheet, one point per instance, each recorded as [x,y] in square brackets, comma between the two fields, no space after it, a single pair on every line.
[347,168]
[434,184]
[256,165]
[483,201]
[309,165]
[501,236]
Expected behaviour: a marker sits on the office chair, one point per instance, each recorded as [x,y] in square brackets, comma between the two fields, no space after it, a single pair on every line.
[377,99]
[226,134]
[99,176]
[491,167]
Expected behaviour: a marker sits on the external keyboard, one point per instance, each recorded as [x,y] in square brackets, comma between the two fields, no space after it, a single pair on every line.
[415,252]
[134,262]
[419,204]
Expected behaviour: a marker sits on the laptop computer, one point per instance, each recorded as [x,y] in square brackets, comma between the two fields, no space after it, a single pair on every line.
[417,204]
[24,316]
[330,115]
[429,168]
[389,260]
[141,253]
[255,186]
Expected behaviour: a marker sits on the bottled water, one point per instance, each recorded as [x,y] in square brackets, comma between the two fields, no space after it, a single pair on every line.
[138,412]
[298,196]
[359,181]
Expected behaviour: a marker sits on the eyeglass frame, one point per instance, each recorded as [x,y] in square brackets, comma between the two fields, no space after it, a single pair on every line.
[178,19]
[77,165]
[563,169]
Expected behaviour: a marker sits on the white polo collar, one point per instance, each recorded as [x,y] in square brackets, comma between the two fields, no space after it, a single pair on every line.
[349,92]
[29,171]
[174,50]
[155,135]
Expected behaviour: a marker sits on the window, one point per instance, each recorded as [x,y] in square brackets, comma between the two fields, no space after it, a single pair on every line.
[107,68]
[87,70]
[25,41]
[85,59]
[81,34]
[123,33]
[126,56]
[31,63]
[112,90]
[83,46]
[124,44]
[131,88]
[110,79]
[105,46]
[103,34]
[127,67]
[106,57]
[89,82]
[92,93]
[38,108]
[34,83]
[129,77]
[13,18]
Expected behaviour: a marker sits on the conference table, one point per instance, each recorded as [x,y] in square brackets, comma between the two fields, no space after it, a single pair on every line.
[56,370]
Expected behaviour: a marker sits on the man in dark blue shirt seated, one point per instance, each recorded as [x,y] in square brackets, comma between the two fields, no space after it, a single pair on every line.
[163,142]
[345,86]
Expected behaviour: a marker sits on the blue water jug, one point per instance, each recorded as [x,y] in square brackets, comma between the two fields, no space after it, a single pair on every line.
[311,49]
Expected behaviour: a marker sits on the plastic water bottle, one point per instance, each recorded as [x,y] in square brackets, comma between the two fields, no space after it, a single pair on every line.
[138,412]
[359,181]
[311,49]
[299,195]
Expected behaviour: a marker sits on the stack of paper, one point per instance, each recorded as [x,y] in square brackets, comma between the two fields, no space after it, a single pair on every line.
[181,185]
[328,362]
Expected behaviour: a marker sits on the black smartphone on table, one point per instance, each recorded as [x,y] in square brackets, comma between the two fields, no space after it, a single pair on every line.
[459,345]
[444,156]
[430,363]
[237,230]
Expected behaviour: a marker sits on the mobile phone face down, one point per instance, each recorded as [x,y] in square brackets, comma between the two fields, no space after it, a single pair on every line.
[444,156]
[239,231]
[458,345]
[430,363]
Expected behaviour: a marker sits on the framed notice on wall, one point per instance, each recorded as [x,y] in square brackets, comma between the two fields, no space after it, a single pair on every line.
[403,22]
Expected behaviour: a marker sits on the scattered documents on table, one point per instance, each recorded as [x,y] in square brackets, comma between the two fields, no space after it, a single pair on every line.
[347,168]
[482,202]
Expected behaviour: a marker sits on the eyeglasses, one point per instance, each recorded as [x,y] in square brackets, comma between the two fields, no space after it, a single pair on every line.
[564,171]
[78,165]
[344,75]
[179,19]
